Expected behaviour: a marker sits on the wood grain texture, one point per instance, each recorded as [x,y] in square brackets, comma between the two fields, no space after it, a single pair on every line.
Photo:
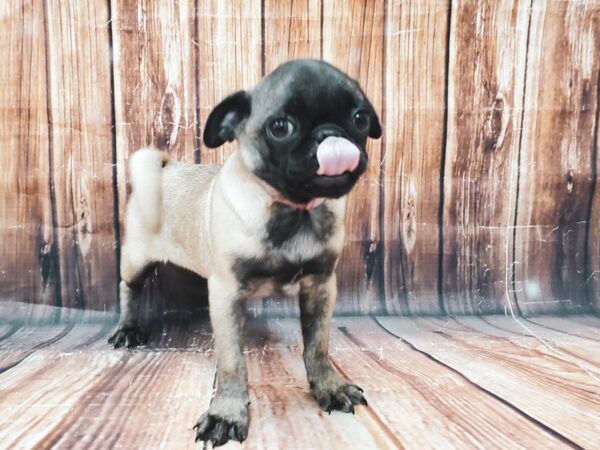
[78,393]
[592,262]
[397,378]
[551,343]
[558,393]
[28,253]
[412,156]
[292,30]
[353,40]
[441,384]
[81,151]
[26,341]
[229,59]
[488,44]
[586,327]
[561,101]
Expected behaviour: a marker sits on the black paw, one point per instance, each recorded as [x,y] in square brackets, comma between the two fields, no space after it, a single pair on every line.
[218,430]
[342,399]
[129,336]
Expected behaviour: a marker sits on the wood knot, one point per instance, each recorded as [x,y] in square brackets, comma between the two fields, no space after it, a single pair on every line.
[84,216]
[372,250]
[570,180]
[494,126]
[587,96]
[409,225]
[166,123]
[45,256]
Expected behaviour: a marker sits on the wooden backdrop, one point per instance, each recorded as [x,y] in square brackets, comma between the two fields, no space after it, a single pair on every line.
[480,198]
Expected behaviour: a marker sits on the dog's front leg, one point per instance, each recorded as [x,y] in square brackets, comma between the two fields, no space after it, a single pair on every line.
[227,415]
[332,391]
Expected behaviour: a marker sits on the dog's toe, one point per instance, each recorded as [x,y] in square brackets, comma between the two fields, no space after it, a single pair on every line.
[218,430]
[355,394]
[220,433]
[129,336]
[342,399]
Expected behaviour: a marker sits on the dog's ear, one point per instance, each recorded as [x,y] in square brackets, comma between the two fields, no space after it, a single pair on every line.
[224,119]
[375,128]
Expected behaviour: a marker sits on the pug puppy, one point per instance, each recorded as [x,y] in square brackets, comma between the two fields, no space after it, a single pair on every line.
[269,221]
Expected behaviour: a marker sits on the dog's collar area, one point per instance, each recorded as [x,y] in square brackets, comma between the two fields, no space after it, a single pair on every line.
[278,198]
[314,203]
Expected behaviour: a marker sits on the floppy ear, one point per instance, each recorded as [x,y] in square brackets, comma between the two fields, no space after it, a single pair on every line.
[375,128]
[224,119]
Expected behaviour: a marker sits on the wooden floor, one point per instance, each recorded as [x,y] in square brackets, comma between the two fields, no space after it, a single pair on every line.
[443,383]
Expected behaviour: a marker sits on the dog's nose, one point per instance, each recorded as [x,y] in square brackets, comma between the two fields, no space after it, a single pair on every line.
[324,131]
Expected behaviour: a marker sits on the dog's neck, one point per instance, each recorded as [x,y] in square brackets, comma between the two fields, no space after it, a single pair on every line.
[249,196]
[271,193]
[277,197]
[315,202]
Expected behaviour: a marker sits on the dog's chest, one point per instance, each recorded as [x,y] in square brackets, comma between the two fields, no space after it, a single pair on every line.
[288,228]
[269,274]
[295,245]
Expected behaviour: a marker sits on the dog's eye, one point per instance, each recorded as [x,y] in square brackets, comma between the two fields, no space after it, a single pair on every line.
[280,128]
[361,120]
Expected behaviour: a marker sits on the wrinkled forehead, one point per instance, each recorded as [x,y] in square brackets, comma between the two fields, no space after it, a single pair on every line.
[305,90]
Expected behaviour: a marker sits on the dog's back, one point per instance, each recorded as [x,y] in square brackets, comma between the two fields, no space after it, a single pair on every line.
[155,178]
[165,205]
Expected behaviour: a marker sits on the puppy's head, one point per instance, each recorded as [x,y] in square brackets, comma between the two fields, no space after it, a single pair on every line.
[302,129]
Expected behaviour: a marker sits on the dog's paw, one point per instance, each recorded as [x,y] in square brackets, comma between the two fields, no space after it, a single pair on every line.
[342,398]
[129,336]
[219,430]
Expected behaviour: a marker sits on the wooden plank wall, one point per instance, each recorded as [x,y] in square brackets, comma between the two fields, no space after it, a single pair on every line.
[480,198]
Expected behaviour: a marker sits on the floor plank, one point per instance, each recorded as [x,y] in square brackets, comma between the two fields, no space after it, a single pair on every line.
[414,395]
[27,340]
[26,337]
[571,325]
[559,395]
[571,349]
[95,397]
[37,390]
[583,326]
[443,383]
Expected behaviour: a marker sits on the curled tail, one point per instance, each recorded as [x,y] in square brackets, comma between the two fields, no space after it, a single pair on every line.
[145,171]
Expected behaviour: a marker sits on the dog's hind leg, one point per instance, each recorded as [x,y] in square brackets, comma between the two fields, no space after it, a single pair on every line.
[331,390]
[227,415]
[129,331]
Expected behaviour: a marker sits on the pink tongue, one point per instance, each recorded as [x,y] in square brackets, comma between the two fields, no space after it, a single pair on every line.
[337,155]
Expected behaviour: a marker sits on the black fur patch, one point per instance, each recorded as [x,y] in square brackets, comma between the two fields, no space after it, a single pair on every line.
[287,222]
[137,282]
[281,270]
